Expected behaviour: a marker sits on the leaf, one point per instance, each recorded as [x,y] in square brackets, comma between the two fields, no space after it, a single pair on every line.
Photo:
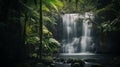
[58,3]
[54,6]
[44,8]
[82,1]
[52,40]
[46,18]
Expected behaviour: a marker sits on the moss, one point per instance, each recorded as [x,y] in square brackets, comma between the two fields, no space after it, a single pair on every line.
[77,63]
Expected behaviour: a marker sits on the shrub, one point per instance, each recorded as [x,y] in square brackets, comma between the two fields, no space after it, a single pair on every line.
[47,60]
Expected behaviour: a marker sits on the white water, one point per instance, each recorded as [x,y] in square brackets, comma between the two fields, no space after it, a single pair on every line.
[69,33]
[86,35]
[70,40]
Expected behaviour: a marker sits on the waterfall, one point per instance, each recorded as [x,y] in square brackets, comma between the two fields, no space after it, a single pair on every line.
[86,38]
[70,33]
[71,43]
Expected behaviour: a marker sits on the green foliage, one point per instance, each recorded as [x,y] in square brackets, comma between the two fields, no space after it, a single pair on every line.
[79,6]
[53,41]
[30,20]
[106,11]
[50,44]
[46,32]
[34,55]
[32,40]
[109,15]
[47,4]
[48,58]
[48,7]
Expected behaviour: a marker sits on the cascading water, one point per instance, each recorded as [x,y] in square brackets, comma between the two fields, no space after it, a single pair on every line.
[86,35]
[69,33]
[71,42]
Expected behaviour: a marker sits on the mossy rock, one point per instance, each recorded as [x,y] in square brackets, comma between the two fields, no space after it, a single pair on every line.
[70,60]
[80,62]
[76,62]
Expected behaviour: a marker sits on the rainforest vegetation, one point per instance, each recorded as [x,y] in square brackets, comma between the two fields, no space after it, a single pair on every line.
[27,28]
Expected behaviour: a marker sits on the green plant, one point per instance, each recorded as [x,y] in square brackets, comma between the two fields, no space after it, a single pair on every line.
[47,60]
